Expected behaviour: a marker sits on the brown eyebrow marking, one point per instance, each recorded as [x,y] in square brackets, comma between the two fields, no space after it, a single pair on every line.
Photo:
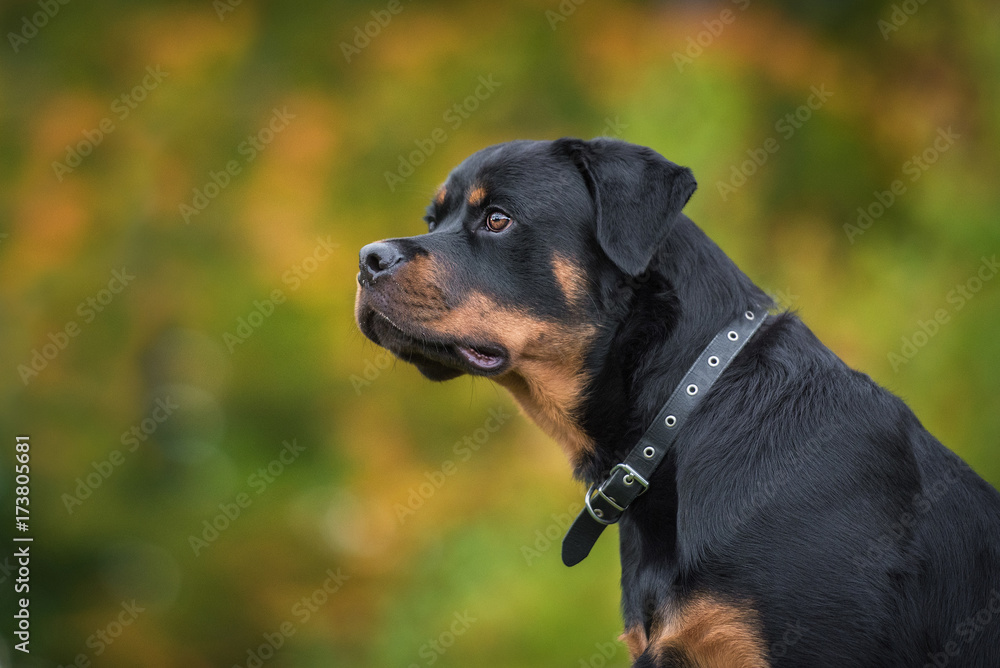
[439,196]
[572,280]
[476,195]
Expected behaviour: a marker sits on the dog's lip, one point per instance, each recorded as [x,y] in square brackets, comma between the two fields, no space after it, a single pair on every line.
[486,359]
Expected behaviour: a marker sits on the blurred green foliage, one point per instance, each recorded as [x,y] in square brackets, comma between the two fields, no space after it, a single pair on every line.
[201,327]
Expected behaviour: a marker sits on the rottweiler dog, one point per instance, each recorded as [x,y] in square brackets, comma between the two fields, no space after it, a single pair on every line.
[802,517]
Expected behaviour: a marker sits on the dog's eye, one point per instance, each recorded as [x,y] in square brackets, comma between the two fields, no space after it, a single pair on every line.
[497,222]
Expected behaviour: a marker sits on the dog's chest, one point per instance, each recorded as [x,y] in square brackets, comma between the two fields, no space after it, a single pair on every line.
[703,629]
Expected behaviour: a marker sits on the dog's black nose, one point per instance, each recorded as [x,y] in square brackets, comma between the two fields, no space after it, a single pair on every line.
[378,259]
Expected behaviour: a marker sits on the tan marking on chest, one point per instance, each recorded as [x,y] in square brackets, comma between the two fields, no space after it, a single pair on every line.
[712,634]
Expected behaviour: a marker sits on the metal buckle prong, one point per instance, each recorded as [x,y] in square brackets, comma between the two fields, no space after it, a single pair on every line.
[632,473]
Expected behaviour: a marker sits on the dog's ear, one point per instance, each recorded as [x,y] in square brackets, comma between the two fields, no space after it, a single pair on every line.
[637,195]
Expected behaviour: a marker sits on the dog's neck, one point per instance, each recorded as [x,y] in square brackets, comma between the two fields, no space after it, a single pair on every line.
[692,291]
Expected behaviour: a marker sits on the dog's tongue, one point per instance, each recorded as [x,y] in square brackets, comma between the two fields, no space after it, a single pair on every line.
[480,359]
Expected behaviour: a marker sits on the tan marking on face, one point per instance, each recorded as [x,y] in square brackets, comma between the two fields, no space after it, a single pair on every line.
[546,374]
[636,641]
[476,195]
[571,278]
[439,196]
[419,291]
[712,634]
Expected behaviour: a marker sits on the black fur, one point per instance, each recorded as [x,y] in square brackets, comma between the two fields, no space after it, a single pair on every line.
[799,486]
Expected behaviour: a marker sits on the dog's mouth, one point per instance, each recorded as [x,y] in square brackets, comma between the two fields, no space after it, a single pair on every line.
[435,357]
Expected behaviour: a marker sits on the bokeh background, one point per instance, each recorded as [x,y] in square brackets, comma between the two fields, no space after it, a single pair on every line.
[227,159]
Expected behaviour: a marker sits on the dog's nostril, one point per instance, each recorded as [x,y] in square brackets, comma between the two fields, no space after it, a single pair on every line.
[374,263]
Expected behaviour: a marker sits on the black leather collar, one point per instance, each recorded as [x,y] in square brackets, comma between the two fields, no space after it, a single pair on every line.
[630,478]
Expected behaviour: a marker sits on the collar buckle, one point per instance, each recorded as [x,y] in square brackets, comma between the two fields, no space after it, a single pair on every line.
[597,513]
[624,494]
[631,476]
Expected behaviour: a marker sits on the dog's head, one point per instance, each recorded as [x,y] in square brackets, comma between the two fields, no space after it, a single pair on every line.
[514,276]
